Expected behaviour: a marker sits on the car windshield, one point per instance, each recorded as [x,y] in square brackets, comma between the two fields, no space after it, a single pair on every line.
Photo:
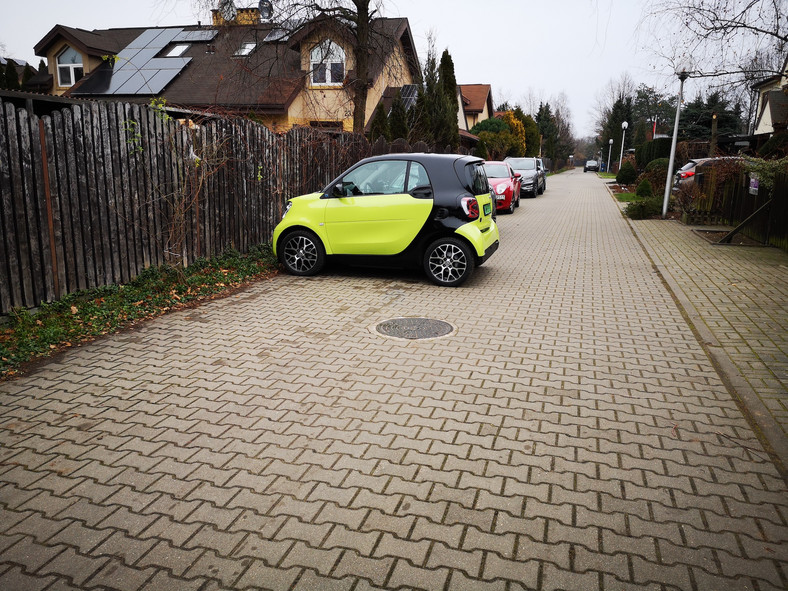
[522,164]
[496,170]
[688,165]
[591,163]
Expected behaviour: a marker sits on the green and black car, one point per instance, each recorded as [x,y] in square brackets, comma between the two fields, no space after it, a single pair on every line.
[401,210]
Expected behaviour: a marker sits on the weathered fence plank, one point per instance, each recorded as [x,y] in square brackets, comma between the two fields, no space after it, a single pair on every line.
[125,192]
[24,269]
[10,291]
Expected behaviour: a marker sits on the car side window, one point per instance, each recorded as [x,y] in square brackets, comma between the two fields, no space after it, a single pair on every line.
[386,177]
[417,177]
[479,182]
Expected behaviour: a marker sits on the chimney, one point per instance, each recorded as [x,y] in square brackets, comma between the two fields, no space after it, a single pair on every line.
[244,16]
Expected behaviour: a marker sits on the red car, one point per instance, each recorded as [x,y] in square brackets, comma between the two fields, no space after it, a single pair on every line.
[505,185]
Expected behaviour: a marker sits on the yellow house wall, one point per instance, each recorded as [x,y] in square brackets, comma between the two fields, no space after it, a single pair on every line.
[462,122]
[395,73]
[89,63]
[335,103]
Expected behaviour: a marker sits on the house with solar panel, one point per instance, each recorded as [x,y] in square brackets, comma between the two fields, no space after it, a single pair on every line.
[282,74]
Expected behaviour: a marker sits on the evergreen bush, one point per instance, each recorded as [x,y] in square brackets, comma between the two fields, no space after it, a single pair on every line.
[380,125]
[656,173]
[644,189]
[627,174]
[641,209]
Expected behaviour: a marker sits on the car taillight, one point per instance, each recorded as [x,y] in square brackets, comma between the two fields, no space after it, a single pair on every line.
[686,175]
[471,207]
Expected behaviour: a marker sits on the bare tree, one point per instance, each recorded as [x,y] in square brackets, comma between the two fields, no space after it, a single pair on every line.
[721,37]
[614,90]
[352,19]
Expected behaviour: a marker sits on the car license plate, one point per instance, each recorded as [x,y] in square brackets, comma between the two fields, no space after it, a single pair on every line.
[487,208]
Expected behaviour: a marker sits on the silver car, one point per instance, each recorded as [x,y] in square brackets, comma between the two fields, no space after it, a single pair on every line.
[533,175]
[698,167]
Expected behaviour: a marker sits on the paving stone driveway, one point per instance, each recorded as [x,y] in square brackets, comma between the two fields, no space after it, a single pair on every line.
[570,434]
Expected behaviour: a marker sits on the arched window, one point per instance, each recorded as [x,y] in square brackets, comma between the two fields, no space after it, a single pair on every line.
[69,67]
[327,63]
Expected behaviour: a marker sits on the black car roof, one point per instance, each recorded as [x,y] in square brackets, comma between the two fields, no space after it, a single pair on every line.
[423,157]
[444,171]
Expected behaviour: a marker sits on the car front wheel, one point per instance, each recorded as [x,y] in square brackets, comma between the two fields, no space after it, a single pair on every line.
[448,262]
[302,253]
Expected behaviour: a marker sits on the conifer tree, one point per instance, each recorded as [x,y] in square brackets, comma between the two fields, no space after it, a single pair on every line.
[435,122]
[398,118]
[27,74]
[380,125]
[11,77]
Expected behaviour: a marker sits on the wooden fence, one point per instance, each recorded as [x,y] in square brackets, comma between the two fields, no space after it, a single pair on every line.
[95,193]
[771,225]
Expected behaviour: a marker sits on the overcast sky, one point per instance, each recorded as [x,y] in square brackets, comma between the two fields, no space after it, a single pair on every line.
[523,48]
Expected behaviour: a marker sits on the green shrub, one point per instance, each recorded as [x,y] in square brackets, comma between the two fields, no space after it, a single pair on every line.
[656,172]
[642,209]
[627,174]
[644,189]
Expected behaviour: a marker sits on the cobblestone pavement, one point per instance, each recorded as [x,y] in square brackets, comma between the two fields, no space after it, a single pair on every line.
[572,433]
[737,299]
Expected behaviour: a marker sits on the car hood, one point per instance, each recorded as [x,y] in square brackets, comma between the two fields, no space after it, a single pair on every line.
[527,174]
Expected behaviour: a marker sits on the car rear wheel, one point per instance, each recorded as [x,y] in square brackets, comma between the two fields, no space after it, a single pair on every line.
[448,262]
[302,253]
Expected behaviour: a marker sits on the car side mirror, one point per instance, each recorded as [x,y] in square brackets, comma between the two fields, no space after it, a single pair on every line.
[517,175]
[337,190]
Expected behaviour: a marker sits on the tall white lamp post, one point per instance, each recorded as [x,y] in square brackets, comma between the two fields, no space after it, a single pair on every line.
[683,72]
[609,150]
[624,126]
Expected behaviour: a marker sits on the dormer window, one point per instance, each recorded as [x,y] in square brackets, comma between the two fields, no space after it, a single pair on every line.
[246,48]
[69,67]
[327,64]
[177,50]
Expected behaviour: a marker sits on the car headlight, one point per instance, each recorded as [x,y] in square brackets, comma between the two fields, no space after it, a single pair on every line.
[288,205]
[501,189]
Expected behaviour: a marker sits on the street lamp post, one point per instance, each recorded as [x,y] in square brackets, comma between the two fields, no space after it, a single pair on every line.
[624,126]
[609,150]
[683,72]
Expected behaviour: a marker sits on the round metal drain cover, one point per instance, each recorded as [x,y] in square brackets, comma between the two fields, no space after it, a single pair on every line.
[414,328]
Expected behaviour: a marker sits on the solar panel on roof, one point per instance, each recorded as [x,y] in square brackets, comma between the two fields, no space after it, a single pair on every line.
[284,31]
[409,93]
[137,69]
[201,36]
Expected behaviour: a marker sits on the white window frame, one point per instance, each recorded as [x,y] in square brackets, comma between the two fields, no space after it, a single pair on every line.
[247,47]
[178,50]
[71,68]
[322,59]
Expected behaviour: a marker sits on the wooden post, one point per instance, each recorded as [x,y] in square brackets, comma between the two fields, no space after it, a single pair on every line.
[48,197]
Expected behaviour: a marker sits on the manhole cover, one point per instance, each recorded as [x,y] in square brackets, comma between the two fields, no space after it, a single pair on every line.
[414,328]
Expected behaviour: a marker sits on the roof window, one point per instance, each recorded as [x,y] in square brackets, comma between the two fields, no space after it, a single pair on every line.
[246,48]
[177,50]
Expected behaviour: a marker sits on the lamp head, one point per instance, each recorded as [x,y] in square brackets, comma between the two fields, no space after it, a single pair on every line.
[684,69]
[610,141]
[624,125]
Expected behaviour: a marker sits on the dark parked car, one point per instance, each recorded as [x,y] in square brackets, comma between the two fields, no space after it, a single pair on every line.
[435,211]
[533,176]
[591,165]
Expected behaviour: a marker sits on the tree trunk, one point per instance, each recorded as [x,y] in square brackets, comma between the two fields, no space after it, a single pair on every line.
[362,66]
